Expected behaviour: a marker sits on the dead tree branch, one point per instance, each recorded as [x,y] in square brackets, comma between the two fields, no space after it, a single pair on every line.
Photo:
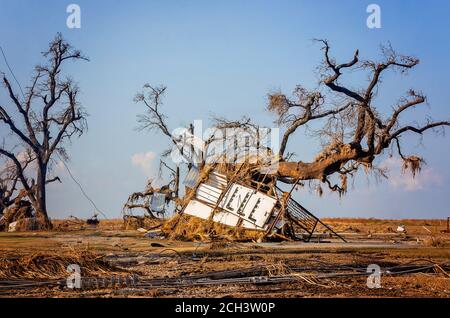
[48,115]
[362,133]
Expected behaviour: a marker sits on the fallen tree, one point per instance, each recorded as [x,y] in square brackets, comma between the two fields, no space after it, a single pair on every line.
[352,128]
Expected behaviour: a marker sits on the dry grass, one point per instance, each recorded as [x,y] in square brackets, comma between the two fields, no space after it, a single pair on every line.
[74,224]
[435,241]
[372,225]
[277,268]
[190,228]
[131,222]
[47,265]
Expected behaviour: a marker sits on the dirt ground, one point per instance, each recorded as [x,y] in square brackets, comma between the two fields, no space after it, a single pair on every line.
[413,264]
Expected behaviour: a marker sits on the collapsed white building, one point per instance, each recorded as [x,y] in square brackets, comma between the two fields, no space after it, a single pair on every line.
[234,203]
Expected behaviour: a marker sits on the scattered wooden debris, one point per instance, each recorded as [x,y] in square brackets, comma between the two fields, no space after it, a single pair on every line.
[133,222]
[225,203]
[50,265]
[20,217]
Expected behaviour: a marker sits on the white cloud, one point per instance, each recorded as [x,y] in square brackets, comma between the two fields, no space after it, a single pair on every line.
[399,180]
[144,161]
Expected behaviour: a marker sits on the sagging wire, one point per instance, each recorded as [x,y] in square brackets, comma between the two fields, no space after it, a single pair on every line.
[81,187]
[12,73]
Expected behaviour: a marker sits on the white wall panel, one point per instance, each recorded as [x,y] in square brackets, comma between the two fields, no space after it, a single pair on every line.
[198,209]
[226,218]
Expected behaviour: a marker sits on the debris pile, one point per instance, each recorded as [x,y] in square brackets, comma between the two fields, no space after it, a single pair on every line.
[134,222]
[75,224]
[93,220]
[19,217]
[235,203]
[190,228]
[47,265]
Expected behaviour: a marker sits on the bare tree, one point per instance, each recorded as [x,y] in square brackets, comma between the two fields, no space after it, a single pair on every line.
[353,128]
[155,120]
[43,119]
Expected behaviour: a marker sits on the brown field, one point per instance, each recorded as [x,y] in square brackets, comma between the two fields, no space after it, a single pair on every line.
[417,261]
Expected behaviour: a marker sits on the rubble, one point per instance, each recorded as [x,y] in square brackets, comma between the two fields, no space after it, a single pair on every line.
[93,220]
[230,203]
[12,227]
[154,234]
[19,217]
[401,229]
[134,222]
[25,224]
[48,265]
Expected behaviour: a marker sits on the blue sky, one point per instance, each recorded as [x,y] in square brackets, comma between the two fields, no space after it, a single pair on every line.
[222,58]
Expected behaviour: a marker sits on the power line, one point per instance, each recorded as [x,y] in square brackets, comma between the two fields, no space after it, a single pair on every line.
[81,187]
[12,73]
